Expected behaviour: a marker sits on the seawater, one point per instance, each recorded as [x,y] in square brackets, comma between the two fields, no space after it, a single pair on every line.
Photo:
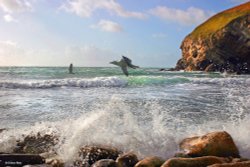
[149,112]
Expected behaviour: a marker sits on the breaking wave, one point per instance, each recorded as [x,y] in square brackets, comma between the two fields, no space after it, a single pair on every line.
[69,82]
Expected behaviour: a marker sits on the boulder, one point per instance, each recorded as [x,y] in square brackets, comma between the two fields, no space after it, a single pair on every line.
[88,155]
[36,144]
[195,162]
[150,162]
[212,144]
[105,163]
[127,160]
[234,164]
[222,43]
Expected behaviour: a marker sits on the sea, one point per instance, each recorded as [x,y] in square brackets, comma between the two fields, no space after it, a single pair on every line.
[149,112]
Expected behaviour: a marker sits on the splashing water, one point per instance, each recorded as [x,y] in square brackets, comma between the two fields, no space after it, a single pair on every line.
[148,113]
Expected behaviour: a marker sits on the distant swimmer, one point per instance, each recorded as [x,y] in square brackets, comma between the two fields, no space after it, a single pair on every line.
[71,68]
[124,63]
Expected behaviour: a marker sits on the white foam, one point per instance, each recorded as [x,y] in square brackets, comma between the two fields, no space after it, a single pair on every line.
[150,130]
[69,82]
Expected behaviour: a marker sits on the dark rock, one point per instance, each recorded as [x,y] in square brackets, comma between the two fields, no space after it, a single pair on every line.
[127,160]
[20,159]
[36,144]
[88,155]
[221,44]
[105,163]
[215,144]
[150,162]
[195,162]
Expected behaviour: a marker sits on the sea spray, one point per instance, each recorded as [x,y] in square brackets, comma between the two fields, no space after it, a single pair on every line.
[154,132]
[148,112]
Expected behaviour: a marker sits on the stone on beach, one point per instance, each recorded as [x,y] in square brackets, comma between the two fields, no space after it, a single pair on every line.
[218,144]
[88,155]
[105,163]
[195,162]
[127,160]
[152,161]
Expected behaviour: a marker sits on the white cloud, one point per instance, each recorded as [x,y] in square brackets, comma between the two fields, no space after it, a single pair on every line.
[12,6]
[13,54]
[184,17]
[109,26]
[85,8]
[9,18]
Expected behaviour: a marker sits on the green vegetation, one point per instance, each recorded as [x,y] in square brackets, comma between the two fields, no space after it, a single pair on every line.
[220,20]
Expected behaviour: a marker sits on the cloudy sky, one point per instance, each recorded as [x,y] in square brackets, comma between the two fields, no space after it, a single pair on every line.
[95,32]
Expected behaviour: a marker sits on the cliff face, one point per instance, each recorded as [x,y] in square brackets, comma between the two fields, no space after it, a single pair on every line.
[220,44]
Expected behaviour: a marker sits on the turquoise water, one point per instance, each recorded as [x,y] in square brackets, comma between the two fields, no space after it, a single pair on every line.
[148,112]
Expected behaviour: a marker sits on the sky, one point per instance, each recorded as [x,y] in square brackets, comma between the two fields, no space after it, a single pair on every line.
[94,32]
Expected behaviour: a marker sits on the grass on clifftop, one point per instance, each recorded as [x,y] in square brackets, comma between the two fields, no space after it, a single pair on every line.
[220,20]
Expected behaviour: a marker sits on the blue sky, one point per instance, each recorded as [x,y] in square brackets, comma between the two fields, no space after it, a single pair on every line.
[95,32]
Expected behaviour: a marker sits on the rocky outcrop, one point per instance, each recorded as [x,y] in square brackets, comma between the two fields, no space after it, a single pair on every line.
[221,44]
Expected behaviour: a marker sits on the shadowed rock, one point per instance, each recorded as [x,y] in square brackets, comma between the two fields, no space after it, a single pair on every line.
[127,160]
[88,155]
[36,144]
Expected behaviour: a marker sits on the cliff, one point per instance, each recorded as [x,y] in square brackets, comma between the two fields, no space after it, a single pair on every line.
[222,43]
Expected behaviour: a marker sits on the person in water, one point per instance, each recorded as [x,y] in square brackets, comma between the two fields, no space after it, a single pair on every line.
[71,68]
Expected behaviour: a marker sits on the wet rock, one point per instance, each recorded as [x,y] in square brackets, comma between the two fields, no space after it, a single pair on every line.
[234,164]
[36,144]
[150,162]
[127,160]
[88,155]
[20,159]
[105,163]
[215,144]
[195,162]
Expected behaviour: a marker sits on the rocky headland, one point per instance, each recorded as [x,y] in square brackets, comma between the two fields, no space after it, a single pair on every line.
[220,44]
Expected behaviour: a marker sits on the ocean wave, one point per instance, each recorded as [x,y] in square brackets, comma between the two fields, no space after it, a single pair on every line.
[221,81]
[69,82]
[120,82]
